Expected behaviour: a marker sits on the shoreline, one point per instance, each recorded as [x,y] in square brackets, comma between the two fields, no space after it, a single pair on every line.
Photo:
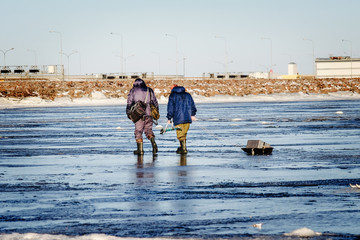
[40,93]
[99,99]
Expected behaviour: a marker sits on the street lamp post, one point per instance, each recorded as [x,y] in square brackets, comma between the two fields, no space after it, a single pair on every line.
[226,56]
[61,62]
[60,44]
[350,54]
[184,59]
[4,52]
[30,50]
[122,50]
[68,58]
[313,54]
[125,59]
[80,61]
[271,65]
[224,66]
[176,60]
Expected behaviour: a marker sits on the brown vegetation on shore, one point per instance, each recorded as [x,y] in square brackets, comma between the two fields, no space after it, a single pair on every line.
[120,88]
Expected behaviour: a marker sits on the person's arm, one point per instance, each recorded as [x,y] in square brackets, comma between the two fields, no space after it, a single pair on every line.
[193,109]
[153,99]
[170,108]
[130,102]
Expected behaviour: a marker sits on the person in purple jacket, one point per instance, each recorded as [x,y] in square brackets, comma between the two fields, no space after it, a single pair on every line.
[140,92]
[182,110]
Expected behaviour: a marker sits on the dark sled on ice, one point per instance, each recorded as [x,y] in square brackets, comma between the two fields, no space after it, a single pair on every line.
[257,147]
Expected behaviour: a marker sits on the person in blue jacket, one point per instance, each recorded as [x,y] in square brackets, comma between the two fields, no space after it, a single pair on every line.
[181,110]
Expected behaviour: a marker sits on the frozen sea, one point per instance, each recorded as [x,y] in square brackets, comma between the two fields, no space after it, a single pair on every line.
[71,172]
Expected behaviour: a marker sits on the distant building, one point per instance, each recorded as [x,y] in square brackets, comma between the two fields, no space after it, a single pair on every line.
[292,72]
[229,75]
[337,67]
[292,69]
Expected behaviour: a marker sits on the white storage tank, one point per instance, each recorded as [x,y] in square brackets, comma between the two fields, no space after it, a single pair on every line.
[292,69]
[51,69]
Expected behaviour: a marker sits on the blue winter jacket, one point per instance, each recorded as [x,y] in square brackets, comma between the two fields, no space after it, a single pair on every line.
[181,106]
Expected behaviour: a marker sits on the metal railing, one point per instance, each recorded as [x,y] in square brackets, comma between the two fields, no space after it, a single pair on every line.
[32,71]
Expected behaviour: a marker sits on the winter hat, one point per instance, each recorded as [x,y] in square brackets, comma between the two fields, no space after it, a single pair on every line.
[172,86]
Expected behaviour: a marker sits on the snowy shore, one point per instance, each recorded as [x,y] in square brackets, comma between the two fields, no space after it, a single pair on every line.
[99,99]
[37,93]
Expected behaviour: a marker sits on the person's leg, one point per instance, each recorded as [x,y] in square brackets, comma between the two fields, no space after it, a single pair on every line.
[139,128]
[181,136]
[150,134]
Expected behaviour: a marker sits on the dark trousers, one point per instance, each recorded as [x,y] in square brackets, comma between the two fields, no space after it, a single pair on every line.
[144,126]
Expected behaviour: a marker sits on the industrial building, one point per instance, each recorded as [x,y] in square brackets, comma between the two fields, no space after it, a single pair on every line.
[338,67]
[292,69]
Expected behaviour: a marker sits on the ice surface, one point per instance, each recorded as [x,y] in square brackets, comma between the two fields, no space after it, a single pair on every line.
[69,171]
[35,236]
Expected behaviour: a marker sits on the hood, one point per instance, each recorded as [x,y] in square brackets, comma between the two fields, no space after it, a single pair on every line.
[178,89]
[139,83]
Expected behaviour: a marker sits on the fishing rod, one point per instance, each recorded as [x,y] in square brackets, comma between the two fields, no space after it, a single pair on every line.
[168,129]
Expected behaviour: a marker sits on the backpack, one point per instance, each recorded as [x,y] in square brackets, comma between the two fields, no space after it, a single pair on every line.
[137,111]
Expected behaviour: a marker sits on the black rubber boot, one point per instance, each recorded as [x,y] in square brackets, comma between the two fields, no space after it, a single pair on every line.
[183,145]
[140,149]
[179,149]
[154,146]
[182,149]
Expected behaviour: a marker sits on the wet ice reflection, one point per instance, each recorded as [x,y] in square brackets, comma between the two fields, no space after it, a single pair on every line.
[72,171]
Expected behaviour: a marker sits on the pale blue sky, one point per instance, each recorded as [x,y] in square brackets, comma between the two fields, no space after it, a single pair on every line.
[86,25]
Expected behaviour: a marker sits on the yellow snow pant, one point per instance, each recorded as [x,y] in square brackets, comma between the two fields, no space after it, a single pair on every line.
[181,134]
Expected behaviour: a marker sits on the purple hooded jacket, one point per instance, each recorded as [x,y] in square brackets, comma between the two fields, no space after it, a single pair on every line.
[138,93]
